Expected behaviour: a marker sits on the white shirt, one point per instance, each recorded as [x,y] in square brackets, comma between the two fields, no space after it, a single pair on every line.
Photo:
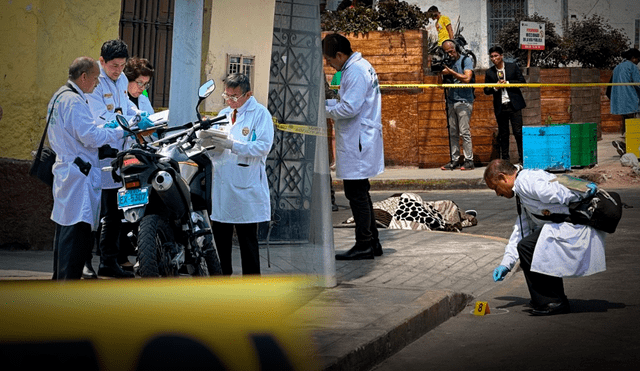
[505,95]
[73,133]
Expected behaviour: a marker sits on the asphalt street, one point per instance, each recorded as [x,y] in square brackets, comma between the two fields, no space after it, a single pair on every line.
[602,332]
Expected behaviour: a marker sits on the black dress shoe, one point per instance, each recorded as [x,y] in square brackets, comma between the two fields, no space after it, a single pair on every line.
[88,272]
[377,248]
[551,309]
[114,270]
[356,253]
[127,266]
[334,207]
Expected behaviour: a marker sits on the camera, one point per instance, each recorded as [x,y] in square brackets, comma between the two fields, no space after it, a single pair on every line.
[438,62]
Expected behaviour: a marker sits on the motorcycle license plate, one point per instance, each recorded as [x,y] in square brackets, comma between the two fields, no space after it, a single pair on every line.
[133,197]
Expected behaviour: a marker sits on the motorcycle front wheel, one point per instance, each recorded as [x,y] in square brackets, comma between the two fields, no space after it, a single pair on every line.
[155,245]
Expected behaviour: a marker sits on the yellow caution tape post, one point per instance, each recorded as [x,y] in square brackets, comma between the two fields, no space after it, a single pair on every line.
[203,323]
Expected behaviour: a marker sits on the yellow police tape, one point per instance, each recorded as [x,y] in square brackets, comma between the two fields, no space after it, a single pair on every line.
[301,129]
[236,324]
[493,85]
[318,131]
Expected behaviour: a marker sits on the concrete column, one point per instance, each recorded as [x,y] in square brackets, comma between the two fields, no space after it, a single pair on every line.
[185,61]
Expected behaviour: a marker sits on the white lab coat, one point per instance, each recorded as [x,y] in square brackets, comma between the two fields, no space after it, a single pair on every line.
[104,100]
[73,133]
[144,104]
[359,148]
[241,193]
[562,249]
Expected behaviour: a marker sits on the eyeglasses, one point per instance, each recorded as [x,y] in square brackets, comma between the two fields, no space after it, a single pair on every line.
[225,96]
[143,85]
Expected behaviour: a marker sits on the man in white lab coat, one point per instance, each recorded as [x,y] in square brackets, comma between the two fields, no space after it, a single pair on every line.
[359,148]
[75,138]
[240,187]
[109,99]
[547,251]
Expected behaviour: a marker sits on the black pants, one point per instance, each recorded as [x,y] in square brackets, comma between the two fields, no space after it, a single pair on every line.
[508,114]
[357,192]
[111,223]
[71,248]
[543,289]
[249,249]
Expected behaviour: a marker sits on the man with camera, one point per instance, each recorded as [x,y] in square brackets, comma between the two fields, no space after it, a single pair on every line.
[458,69]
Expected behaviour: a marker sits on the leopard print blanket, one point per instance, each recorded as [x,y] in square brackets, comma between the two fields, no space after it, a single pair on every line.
[409,211]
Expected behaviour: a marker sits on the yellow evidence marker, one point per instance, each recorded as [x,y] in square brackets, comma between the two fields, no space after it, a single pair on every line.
[482,308]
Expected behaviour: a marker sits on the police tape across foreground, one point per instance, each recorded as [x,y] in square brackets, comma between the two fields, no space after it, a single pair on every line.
[224,324]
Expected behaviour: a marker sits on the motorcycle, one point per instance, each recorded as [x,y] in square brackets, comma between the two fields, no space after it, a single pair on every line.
[167,190]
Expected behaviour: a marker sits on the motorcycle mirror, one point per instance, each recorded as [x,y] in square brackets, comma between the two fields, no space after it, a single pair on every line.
[206,89]
[122,121]
[125,126]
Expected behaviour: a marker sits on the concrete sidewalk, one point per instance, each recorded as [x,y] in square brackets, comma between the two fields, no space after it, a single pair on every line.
[379,306]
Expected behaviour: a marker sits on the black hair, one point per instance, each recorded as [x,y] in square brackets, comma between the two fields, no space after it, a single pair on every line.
[238,79]
[433,9]
[631,53]
[136,67]
[496,49]
[334,43]
[81,65]
[113,49]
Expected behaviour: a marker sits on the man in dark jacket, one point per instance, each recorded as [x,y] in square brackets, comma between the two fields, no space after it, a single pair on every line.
[507,102]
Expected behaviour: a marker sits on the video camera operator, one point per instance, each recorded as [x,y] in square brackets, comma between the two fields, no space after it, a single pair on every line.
[458,69]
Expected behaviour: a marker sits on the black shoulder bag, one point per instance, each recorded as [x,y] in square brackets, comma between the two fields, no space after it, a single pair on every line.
[42,166]
[601,211]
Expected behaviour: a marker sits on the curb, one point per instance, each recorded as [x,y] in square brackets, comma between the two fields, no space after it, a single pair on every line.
[424,315]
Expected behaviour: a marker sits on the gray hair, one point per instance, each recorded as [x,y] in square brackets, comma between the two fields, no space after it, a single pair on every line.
[81,65]
[238,79]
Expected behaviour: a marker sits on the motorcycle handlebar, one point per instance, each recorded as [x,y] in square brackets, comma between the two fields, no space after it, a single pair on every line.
[206,123]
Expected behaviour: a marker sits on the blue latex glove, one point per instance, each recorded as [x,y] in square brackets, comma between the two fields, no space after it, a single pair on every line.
[500,272]
[144,123]
[593,188]
[111,125]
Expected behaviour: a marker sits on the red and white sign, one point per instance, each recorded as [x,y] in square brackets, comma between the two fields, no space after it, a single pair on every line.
[531,35]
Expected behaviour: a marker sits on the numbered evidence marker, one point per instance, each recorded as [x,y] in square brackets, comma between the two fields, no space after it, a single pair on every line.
[175,324]
[482,308]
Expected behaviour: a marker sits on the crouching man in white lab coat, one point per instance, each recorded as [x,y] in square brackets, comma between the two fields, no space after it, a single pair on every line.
[547,251]
[75,138]
[240,188]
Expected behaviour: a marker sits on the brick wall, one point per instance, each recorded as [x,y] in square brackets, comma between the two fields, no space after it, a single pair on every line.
[414,120]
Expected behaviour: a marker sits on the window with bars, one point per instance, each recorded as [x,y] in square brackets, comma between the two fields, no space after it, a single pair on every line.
[237,63]
[501,12]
